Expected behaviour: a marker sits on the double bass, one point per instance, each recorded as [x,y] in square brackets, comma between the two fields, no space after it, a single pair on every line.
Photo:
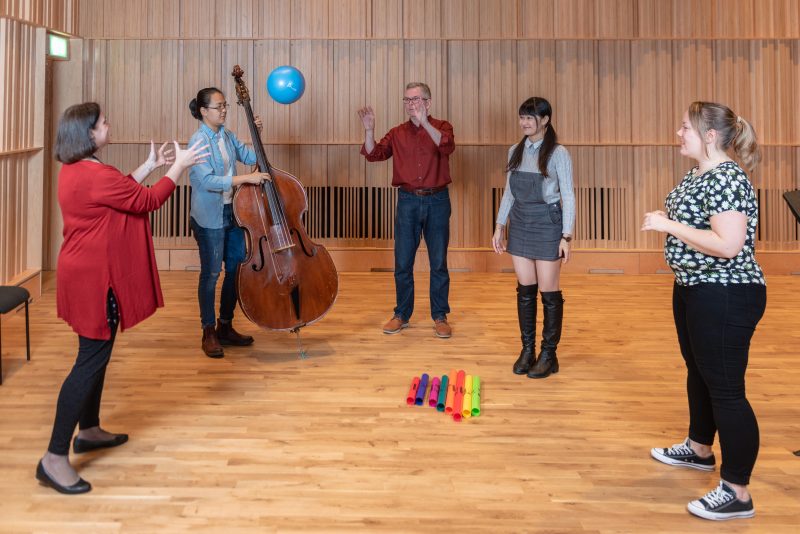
[286,281]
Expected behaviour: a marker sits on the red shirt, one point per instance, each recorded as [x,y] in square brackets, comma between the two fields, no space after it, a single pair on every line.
[418,163]
[107,244]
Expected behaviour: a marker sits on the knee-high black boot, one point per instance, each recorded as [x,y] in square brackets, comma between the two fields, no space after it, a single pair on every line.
[526,312]
[553,310]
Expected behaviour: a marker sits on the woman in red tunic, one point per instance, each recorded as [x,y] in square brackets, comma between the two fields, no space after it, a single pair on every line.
[106,275]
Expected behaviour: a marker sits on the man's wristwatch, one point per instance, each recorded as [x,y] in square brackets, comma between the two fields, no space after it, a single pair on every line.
[566,238]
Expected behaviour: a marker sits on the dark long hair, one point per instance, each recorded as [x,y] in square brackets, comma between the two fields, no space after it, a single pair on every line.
[74,139]
[539,108]
[202,101]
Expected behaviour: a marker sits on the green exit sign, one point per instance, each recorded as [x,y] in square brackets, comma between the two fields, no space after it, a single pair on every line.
[57,46]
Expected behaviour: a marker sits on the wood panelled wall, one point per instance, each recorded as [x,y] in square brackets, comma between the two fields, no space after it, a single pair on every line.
[619,74]
[22,51]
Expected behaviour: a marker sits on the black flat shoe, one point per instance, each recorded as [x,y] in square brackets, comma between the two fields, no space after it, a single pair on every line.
[84,445]
[81,486]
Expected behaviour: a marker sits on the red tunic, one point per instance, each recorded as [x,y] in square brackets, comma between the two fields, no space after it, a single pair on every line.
[107,244]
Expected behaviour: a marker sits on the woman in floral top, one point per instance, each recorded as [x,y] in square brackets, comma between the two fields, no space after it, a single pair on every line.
[718,298]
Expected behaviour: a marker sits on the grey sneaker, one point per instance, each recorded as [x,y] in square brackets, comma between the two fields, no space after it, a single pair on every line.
[681,454]
[720,504]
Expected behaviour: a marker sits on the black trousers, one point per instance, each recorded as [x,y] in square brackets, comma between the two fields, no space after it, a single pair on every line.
[79,398]
[715,323]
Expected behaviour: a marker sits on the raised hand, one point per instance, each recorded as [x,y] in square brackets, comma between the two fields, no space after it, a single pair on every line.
[367,116]
[420,111]
[197,153]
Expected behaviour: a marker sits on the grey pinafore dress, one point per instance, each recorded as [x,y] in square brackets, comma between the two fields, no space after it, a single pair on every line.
[534,231]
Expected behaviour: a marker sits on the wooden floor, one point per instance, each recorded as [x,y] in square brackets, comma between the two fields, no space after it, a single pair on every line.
[264,441]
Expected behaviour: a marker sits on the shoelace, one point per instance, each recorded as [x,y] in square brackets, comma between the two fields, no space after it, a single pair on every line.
[679,449]
[718,497]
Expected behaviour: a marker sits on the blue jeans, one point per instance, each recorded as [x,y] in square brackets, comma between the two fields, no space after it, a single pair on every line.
[216,245]
[418,216]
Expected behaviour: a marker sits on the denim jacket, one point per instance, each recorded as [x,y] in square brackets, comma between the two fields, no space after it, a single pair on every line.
[208,178]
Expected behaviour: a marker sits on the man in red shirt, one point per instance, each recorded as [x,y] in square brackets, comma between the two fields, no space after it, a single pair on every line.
[421,148]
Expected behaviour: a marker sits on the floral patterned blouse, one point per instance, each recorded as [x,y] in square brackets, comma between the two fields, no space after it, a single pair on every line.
[693,202]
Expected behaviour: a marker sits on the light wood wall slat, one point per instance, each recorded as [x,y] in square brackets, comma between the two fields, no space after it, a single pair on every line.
[692,61]
[272,19]
[57,15]
[614,92]
[536,76]
[233,52]
[576,78]
[615,19]
[310,19]
[162,19]
[734,18]
[349,19]
[653,118]
[772,91]
[536,19]
[159,101]
[416,19]
[422,19]
[234,19]
[497,19]
[267,55]
[465,89]
[498,91]
[386,18]
[426,61]
[199,64]
[654,176]
[347,90]
[461,18]
[310,117]
[733,64]
[779,19]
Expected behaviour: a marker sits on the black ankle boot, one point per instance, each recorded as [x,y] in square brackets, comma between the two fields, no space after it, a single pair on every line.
[526,312]
[553,310]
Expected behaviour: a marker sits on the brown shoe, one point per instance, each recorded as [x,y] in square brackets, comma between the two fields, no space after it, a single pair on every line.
[441,328]
[211,345]
[394,325]
[228,336]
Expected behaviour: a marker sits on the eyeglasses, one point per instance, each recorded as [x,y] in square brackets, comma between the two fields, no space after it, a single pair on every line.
[414,99]
[222,107]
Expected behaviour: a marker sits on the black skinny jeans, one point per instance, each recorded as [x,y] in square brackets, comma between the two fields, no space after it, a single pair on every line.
[715,323]
[79,399]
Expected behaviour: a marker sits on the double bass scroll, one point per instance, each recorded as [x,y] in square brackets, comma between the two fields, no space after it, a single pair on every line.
[286,281]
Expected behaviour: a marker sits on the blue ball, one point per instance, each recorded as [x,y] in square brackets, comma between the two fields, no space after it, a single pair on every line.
[286,84]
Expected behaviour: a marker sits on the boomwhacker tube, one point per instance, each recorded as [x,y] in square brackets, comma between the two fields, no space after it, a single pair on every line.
[476,396]
[466,408]
[412,393]
[423,388]
[433,398]
[451,393]
[458,401]
[442,394]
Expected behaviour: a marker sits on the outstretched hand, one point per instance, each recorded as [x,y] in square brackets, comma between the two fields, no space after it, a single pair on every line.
[197,153]
[162,157]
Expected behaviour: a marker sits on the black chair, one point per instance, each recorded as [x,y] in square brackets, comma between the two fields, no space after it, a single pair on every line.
[11,297]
